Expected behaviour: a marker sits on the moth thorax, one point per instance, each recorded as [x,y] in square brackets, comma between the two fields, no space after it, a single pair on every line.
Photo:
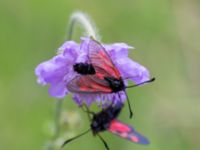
[115,84]
[84,68]
[100,122]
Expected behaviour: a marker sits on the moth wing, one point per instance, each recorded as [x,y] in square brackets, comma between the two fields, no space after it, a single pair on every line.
[88,84]
[127,132]
[101,61]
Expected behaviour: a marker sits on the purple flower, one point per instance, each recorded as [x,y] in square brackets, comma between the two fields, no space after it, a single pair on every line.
[58,71]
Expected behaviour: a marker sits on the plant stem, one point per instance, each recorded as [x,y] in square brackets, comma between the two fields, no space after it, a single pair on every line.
[58,111]
[85,22]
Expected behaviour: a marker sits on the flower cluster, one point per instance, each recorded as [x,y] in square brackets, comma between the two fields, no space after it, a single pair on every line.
[58,71]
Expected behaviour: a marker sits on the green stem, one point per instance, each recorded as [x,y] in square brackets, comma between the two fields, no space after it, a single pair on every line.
[90,29]
[58,111]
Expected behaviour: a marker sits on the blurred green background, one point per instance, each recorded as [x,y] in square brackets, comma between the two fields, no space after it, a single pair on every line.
[166,34]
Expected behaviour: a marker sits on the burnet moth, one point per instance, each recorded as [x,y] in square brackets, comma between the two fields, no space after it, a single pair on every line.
[105,120]
[99,75]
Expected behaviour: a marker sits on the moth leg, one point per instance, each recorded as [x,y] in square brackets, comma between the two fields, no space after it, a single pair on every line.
[129,105]
[72,139]
[104,142]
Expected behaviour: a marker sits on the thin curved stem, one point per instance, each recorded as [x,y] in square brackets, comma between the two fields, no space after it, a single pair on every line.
[85,22]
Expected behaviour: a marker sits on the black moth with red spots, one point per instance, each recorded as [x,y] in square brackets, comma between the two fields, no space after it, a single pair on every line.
[106,121]
[101,121]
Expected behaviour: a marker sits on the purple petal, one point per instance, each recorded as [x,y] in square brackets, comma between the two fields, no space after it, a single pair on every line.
[127,67]
[118,50]
[69,48]
[132,70]
[55,70]
[58,90]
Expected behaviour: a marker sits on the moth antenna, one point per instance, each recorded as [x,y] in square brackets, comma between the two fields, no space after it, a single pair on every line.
[69,140]
[89,113]
[129,106]
[148,81]
[104,142]
[88,110]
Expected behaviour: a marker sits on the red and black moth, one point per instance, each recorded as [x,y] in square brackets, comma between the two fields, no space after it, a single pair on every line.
[105,120]
[99,75]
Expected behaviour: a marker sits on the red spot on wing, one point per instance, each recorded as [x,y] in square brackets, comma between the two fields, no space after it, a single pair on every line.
[124,134]
[127,132]
[134,138]
[117,126]
[99,75]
